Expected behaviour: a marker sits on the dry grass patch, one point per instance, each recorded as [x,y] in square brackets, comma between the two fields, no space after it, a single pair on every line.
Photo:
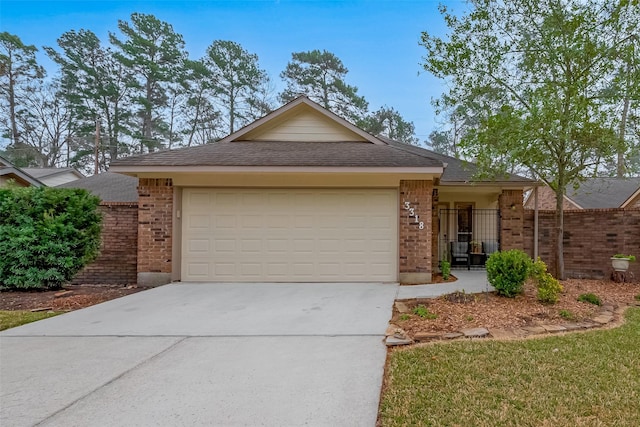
[586,379]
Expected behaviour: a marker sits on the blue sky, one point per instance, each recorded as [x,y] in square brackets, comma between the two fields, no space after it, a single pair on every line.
[377,39]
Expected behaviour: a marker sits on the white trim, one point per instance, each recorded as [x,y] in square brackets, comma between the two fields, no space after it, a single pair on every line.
[630,199]
[485,184]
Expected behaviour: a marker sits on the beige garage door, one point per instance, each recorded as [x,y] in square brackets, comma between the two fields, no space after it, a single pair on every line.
[285,235]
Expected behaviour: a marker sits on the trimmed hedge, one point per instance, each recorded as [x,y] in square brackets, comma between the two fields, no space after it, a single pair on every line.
[46,235]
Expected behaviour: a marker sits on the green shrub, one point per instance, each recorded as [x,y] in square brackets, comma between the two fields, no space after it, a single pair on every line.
[46,235]
[637,297]
[446,269]
[549,288]
[590,298]
[507,271]
[424,312]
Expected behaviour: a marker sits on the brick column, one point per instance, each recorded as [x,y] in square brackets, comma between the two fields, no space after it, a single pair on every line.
[511,220]
[155,216]
[416,233]
[435,230]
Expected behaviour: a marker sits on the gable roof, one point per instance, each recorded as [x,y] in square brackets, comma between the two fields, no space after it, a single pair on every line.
[7,169]
[292,108]
[109,186]
[245,148]
[256,146]
[602,193]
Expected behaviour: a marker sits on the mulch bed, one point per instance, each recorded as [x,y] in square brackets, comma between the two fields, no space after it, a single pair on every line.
[488,310]
[71,297]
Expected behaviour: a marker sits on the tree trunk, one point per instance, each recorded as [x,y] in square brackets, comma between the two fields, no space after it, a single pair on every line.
[15,135]
[147,119]
[559,232]
[623,125]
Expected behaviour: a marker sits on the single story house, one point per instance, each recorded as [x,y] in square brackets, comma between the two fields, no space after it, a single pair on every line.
[16,175]
[593,193]
[302,195]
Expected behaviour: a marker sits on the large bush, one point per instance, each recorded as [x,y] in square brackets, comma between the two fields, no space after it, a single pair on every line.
[46,235]
[507,271]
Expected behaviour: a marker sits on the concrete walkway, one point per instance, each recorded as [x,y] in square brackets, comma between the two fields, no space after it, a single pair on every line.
[471,282]
[204,354]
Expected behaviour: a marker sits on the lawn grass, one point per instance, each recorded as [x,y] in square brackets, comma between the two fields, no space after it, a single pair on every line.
[11,319]
[581,379]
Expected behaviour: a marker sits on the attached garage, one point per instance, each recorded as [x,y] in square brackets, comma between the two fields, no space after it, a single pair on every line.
[289,235]
[300,195]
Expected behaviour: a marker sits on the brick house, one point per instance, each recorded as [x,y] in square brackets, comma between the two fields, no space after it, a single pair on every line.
[593,193]
[302,195]
[117,262]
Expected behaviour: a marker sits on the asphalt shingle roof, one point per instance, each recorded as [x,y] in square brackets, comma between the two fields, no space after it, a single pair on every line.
[602,193]
[457,170]
[109,186]
[45,172]
[253,153]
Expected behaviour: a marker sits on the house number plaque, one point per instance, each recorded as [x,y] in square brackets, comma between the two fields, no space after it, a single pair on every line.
[412,213]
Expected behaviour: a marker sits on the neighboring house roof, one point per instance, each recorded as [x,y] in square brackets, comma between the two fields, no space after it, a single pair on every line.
[593,193]
[109,186]
[54,176]
[9,171]
[602,193]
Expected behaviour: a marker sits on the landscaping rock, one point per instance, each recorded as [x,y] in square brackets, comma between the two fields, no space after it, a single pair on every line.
[452,335]
[400,334]
[588,325]
[475,332]
[393,341]
[427,336]
[603,319]
[505,334]
[535,329]
[402,307]
[607,307]
[391,329]
[573,326]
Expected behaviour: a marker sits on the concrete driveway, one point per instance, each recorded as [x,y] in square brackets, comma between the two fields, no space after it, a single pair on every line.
[203,354]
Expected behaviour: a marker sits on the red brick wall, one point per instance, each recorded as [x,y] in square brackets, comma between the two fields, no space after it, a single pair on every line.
[435,230]
[117,262]
[511,219]
[591,237]
[155,215]
[415,243]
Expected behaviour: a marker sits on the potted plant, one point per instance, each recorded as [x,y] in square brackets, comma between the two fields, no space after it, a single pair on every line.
[620,262]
